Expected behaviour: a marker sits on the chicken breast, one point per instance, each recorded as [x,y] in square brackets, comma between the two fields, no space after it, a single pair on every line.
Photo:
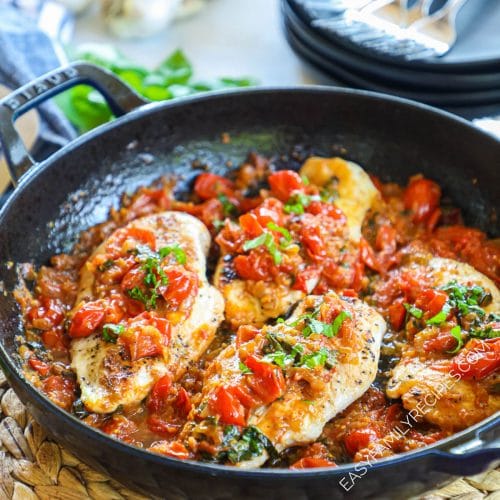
[322,372]
[426,390]
[355,191]
[107,373]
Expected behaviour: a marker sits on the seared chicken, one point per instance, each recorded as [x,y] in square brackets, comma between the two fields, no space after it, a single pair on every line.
[436,395]
[323,373]
[250,302]
[107,375]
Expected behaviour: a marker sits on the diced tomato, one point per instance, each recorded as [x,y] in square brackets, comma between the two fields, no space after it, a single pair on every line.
[255,222]
[54,339]
[134,278]
[40,366]
[143,342]
[357,276]
[147,201]
[284,183]
[478,359]
[358,439]
[329,209]
[254,266]
[174,449]
[158,425]
[433,219]
[313,241]
[386,239]
[245,333]
[422,197]
[312,462]
[307,279]
[209,185]
[120,427]
[60,390]
[158,396]
[250,225]
[245,396]
[267,380]
[183,402]
[367,255]
[431,300]
[227,406]
[441,343]
[86,319]
[47,315]
[127,238]
[397,314]
[349,292]
[182,285]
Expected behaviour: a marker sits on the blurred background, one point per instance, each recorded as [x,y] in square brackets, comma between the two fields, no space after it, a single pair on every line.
[167,49]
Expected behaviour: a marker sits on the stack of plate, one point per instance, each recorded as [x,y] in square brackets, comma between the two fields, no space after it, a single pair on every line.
[465,81]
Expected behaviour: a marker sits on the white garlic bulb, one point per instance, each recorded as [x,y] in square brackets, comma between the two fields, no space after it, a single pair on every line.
[137,18]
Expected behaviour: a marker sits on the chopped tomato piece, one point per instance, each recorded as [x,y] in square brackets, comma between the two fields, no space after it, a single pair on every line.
[312,462]
[209,185]
[245,333]
[254,266]
[60,390]
[320,207]
[386,239]
[182,285]
[313,241]
[55,340]
[431,301]
[367,255]
[47,315]
[158,396]
[478,359]
[255,222]
[174,449]
[158,425]
[422,197]
[307,279]
[143,342]
[442,342]
[120,427]
[358,439]
[397,314]
[38,365]
[267,380]
[183,402]
[86,319]
[246,397]
[284,183]
[227,406]
[127,238]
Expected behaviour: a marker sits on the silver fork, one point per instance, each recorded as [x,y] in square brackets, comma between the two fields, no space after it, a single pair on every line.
[390,27]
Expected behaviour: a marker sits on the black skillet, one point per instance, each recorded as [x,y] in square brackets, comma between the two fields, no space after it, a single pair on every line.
[77,186]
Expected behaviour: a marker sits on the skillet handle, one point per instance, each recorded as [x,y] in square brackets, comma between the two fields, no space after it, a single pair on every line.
[474,456]
[120,97]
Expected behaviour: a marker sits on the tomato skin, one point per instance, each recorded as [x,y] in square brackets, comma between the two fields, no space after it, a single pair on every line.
[255,266]
[227,406]
[307,279]
[267,380]
[54,339]
[158,396]
[183,402]
[119,427]
[431,301]
[478,359]
[284,183]
[60,390]
[40,366]
[182,285]
[158,425]
[86,319]
[442,342]
[125,239]
[422,197]
[397,315]
[245,333]
[47,315]
[313,241]
[134,278]
[174,449]
[328,209]
[358,439]
[312,462]
[367,255]
[386,239]
[209,185]
[255,222]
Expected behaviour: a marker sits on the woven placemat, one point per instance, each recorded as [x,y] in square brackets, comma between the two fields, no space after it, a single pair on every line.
[34,467]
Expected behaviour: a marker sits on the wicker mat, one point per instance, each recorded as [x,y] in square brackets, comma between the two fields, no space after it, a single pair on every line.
[33,467]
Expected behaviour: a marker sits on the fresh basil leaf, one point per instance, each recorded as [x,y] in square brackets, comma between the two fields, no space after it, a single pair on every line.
[110,332]
[339,320]
[456,332]
[179,254]
[256,242]
[244,368]
[414,311]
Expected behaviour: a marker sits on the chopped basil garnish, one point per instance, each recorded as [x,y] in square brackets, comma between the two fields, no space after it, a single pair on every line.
[110,332]
[267,240]
[106,265]
[244,368]
[323,357]
[414,311]
[228,208]
[297,203]
[339,320]
[456,333]
[441,316]
[179,254]
[287,237]
[245,445]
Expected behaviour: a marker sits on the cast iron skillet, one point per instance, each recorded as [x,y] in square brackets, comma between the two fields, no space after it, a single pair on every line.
[76,187]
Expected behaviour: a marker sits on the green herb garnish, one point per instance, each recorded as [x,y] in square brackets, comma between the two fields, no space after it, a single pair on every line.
[297,203]
[413,311]
[339,320]
[267,240]
[245,445]
[111,332]
[228,208]
[287,237]
[456,333]
[244,368]
[179,254]
[106,265]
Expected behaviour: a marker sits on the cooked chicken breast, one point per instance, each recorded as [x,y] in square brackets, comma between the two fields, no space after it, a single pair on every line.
[313,393]
[106,375]
[433,394]
[356,193]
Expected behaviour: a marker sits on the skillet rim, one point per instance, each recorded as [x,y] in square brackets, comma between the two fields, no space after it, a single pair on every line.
[215,469]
